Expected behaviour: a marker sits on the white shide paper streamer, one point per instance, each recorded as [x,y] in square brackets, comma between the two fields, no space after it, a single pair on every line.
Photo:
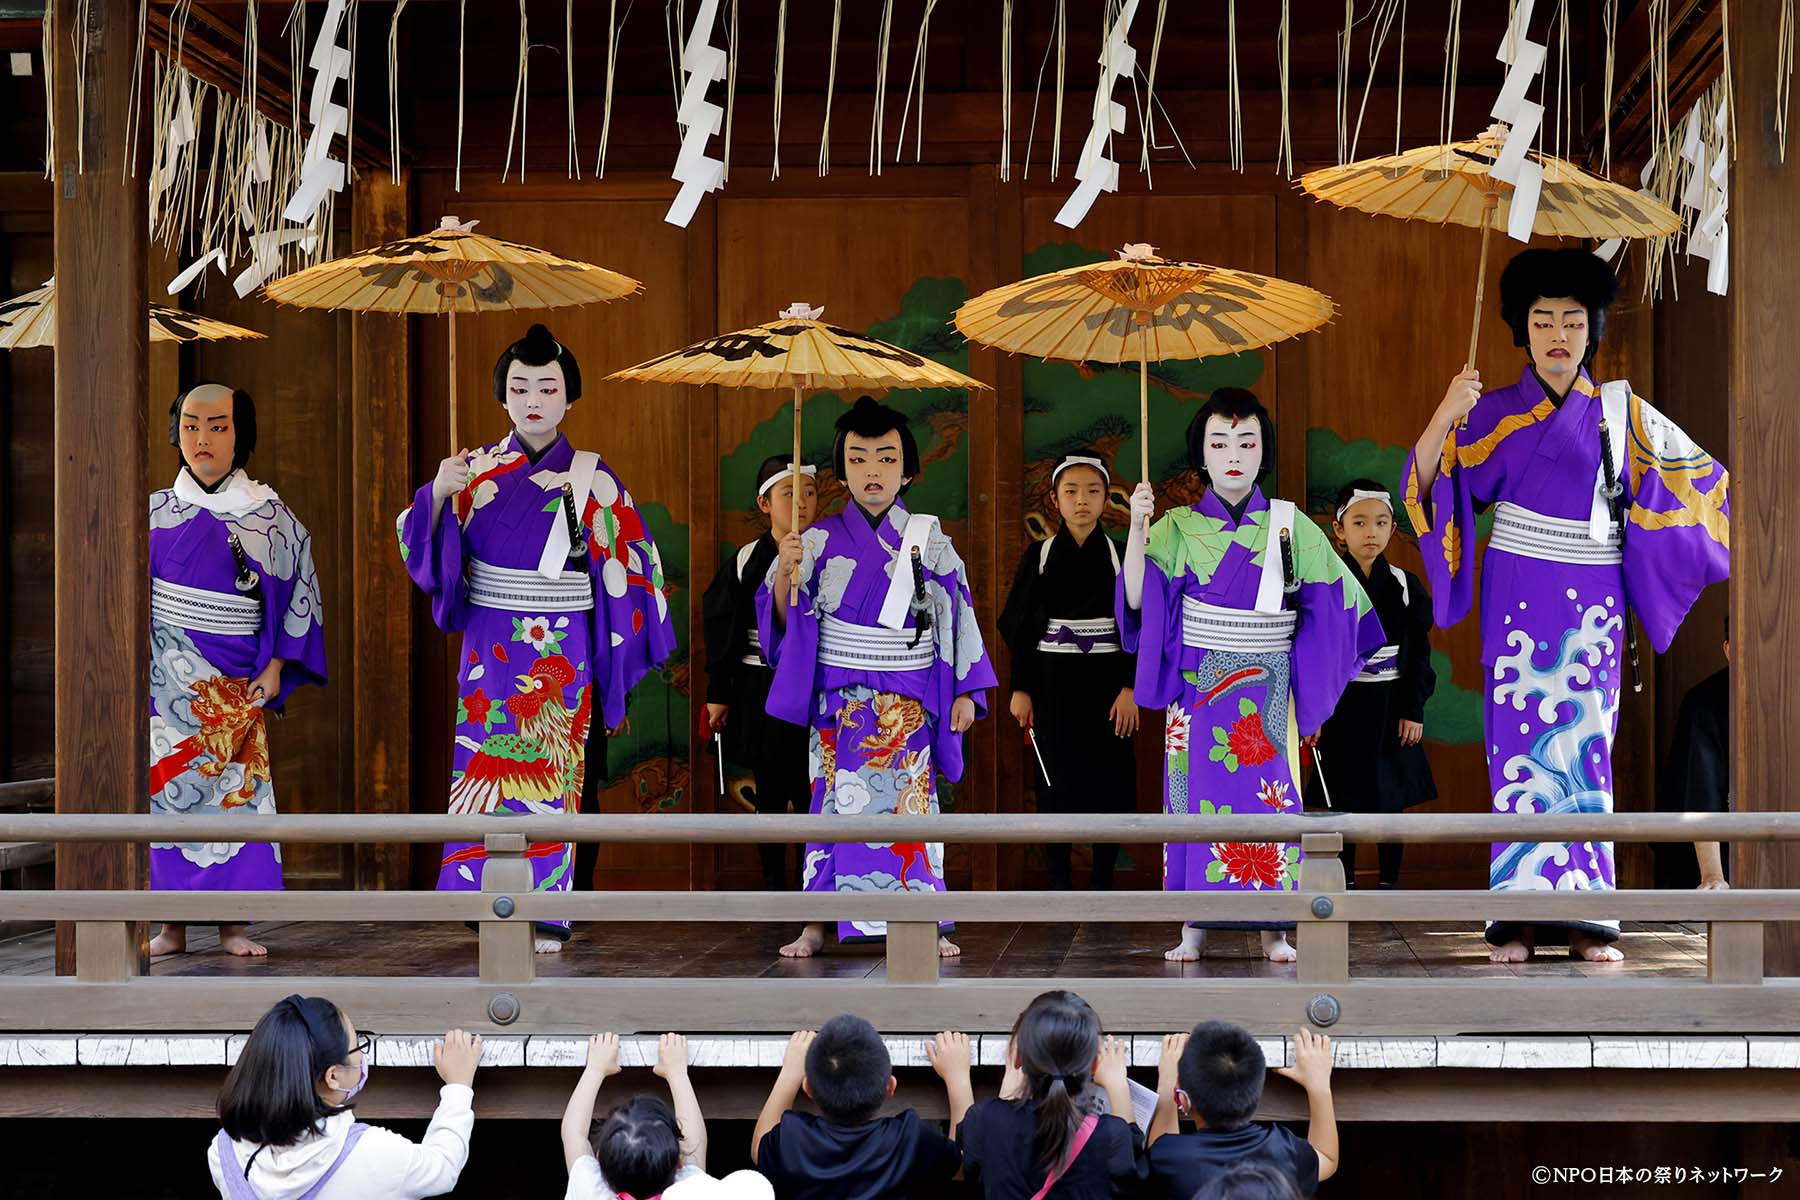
[1524,58]
[1096,172]
[696,171]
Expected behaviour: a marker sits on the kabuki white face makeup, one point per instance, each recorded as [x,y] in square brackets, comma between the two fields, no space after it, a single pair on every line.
[536,400]
[1558,332]
[872,470]
[1233,456]
[206,433]
[1080,498]
[778,502]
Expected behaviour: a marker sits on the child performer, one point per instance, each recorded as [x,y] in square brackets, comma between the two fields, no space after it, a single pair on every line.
[1071,681]
[881,659]
[737,674]
[1602,507]
[1369,750]
[1248,627]
[536,554]
[235,627]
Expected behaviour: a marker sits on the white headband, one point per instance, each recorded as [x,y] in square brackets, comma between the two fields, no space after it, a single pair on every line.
[772,480]
[1080,460]
[1359,494]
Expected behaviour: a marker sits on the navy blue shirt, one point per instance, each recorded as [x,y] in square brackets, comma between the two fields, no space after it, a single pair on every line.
[808,1157]
[995,1136]
[1181,1163]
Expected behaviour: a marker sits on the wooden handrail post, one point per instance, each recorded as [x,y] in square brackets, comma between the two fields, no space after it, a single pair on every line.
[507,954]
[1325,946]
[108,951]
[912,951]
[1734,951]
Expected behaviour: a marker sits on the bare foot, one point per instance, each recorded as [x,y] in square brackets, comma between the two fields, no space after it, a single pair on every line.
[809,943]
[1515,951]
[1592,949]
[170,939]
[548,945]
[233,940]
[1193,945]
[948,948]
[1276,947]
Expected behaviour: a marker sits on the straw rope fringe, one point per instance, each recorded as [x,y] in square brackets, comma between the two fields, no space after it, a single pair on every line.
[1284,149]
[462,29]
[1006,89]
[615,29]
[1610,25]
[1385,15]
[837,21]
[915,85]
[731,77]
[393,66]
[780,72]
[1148,116]
[1784,74]
[134,104]
[521,105]
[881,69]
[1452,61]
[1233,102]
[574,165]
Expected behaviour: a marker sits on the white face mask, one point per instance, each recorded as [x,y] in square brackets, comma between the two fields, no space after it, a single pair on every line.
[537,398]
[1232,454]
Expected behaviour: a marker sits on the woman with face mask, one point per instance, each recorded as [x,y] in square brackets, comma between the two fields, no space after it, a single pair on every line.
[235,627]
[1602,507]
[1247,626]
[535,553]
[287,1131]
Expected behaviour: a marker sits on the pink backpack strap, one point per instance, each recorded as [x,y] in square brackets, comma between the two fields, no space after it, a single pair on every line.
[1088,1124]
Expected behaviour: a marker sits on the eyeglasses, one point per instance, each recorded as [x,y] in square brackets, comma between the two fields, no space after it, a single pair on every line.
[363,1043]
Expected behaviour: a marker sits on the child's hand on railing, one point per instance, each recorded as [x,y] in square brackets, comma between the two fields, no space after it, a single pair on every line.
[949,1055]
[457,1056]
[1312,1062]
[671,1056]
[793,1061]
[1168,1070]
[1109,1072]
[603,1055]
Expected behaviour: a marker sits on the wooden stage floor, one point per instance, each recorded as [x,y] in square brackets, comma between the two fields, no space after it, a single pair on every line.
[748,950]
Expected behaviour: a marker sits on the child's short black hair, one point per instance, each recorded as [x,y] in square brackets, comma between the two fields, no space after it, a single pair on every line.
[271,1095]
[775,464]
[848,1068]
[1234,404]
[243,422]
[1252,1179]
[639,1147]
[535,349]
[1222,1072]
[869,418]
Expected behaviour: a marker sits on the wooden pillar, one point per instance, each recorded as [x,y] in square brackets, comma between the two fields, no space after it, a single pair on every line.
[1765,489]
[704,859]
[506,946]
[381,422]
[1324,946]
[102,373]
[995,778]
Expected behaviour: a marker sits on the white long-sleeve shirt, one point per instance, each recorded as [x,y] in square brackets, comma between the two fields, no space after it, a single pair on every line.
[383,1166]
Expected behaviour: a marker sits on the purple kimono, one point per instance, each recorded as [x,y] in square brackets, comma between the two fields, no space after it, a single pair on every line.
[1244,672]
[876,697]
[232,586]
[555,632]
[1554,588]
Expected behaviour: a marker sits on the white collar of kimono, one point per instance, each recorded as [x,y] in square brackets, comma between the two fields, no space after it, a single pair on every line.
[1360,495]
[238,495]
[1080,460]
[772,480]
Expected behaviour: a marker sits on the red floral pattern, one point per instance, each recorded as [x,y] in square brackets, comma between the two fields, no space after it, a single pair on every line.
[476,705]
[1252,864]
[1249,742]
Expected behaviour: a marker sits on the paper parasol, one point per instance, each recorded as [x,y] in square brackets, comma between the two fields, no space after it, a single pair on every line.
[29,321]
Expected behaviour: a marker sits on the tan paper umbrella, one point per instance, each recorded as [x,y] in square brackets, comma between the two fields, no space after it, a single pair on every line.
[450,270]
[1454,185]
[798,351]
[1142,307]
[29,321]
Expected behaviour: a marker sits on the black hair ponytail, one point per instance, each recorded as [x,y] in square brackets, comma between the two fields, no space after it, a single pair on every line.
[1057,1041]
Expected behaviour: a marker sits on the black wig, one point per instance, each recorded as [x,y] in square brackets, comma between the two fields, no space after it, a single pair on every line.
[869,418]
[1537,273]
[1234,404]
[535,349]
[243,422]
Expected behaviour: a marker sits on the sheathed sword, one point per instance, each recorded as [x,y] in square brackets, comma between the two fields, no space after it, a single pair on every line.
[1613,491]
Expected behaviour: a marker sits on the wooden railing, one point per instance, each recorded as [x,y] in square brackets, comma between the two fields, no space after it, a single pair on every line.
[106,994]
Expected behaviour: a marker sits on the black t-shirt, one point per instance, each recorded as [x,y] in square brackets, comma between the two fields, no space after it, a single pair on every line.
[809,1158]
[1181,1163]
[995,1137]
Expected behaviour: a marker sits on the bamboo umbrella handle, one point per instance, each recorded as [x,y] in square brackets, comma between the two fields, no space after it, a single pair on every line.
[454,447]
[1144,404]
[794,501]
[1487,225]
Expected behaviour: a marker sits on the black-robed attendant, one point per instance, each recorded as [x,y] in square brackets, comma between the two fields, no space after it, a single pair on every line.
[1370,749]
[1071,680]
[737,673]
